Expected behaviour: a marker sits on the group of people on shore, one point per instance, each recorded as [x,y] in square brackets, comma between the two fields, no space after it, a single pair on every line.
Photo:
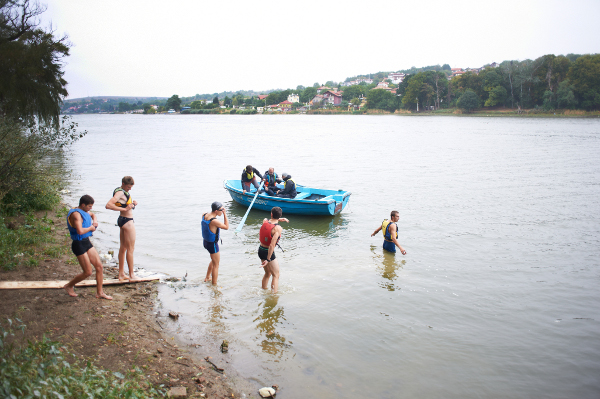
[81,223]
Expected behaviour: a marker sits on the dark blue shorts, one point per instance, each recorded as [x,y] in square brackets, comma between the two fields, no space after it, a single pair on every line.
[389,246]
[211,247]
[79,247]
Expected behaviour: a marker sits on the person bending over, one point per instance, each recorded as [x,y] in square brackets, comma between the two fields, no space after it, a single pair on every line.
[249,177]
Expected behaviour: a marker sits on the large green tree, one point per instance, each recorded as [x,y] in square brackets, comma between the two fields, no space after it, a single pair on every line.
[174,102]
[381,99]
[468,101]
[584,75]
[31,64]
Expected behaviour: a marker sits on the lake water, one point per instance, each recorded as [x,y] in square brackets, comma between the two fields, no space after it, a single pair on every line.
[497,297]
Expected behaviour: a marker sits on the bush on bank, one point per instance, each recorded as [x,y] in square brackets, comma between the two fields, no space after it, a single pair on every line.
[44,369]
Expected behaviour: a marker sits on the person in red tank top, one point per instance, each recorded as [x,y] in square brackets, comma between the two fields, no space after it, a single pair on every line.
[270,232]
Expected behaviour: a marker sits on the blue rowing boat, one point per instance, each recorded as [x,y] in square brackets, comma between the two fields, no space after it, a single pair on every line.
[309,201]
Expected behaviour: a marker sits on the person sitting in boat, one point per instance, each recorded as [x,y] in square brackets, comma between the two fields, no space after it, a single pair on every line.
[249,176]
[271,179]
[289,187]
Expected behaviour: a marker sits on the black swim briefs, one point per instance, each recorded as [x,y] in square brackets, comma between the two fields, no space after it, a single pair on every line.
[79,247]
[122,220]
[264,252]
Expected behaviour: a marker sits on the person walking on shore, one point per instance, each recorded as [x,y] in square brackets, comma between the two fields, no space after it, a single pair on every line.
[390,233]
[122,202]
[81,224]
[211,228]
[270,233]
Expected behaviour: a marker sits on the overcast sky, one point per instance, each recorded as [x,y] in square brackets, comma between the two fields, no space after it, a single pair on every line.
[161,48]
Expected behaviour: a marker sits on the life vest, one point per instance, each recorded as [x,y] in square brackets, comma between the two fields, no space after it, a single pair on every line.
[87,222]
[268,179]
[127,195]
[207,234]
[286,182]
[250,175]
[385,229]
[266,234]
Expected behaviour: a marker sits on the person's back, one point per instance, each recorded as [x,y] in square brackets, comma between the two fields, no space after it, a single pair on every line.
[289,187]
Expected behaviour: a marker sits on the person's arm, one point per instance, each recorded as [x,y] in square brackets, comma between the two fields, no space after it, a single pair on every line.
[258,173]
[222,225]
[395,240]
[276,233]
[94,220]
[111,204]
[376,231]
[283,220]
[76,221]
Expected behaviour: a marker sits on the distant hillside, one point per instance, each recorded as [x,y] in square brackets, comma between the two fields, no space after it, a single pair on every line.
[117,98]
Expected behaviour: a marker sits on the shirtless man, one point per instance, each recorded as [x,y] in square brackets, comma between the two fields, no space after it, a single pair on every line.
[390,233]
[122,202]
[81,224]
[270,232]
[211,227]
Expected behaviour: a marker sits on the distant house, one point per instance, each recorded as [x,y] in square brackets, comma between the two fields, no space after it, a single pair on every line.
[285,106]
[260,110]
[396,77]
[262,96]
[323,88]
[294,98]
[317,100]
[383,85]
[332,97]
[274,107]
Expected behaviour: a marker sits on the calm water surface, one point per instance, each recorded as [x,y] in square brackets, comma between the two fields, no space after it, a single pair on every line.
[497,297]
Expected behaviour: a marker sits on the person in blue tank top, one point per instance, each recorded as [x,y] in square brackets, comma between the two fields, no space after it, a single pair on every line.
[390,233]
[211,227]
[81,224]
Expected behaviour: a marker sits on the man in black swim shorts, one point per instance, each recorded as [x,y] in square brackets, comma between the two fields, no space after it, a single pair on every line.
[122,202]
[81,224]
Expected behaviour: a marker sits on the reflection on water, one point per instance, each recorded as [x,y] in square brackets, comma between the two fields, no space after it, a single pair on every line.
[388,265]
[269,325]
[216,309]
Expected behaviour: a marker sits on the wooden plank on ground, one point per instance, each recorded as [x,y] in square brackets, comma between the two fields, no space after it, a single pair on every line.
[13,285]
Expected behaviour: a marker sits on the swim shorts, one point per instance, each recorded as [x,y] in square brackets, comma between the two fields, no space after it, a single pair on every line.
[122,220]
[389,246]
[264,252]
[211,247]
[79,247]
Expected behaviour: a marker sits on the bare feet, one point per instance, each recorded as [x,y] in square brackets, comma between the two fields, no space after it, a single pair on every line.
[123,278]
[103,296]
[70,291]
[133,277]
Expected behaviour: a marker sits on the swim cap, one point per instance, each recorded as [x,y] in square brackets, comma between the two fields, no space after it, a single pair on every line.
[215,206]
[285,176]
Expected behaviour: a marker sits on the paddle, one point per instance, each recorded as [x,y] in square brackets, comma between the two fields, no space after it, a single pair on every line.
[239,228]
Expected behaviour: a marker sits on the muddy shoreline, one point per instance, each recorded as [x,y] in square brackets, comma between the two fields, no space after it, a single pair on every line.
[117,335]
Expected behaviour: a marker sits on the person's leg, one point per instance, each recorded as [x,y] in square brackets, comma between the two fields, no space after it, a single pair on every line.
[246,186]
[122,251]
[216,258]
[255,182]
[274,269]
[86,266]
[266,277]
[128,230]
[209,271]
[97,263]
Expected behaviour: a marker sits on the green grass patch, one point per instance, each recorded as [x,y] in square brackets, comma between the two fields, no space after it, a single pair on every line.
[40,370]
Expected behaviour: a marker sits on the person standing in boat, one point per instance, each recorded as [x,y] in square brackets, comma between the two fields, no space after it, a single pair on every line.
[289,187]
[211,228]
[271,179]
[270,233]
[81,224]
[249,177]
[122,202]
[389,227]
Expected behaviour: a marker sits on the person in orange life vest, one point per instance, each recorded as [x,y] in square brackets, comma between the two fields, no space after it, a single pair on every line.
[121,201]
[211,228]
[271,179]
[390,233]
[81,224]
[249,176]
[270,232]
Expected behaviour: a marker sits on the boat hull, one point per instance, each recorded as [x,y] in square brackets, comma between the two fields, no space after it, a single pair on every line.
[310,201]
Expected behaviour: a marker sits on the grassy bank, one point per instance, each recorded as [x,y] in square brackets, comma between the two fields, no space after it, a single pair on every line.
[47,369]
